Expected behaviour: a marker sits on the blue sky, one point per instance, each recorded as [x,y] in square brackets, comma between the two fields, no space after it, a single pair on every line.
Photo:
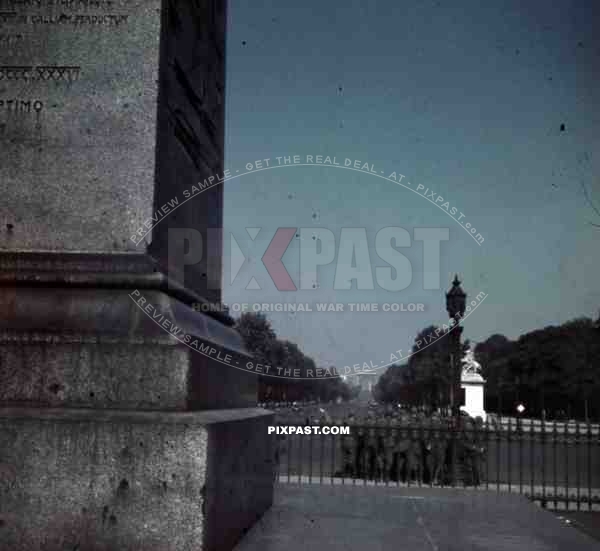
[465,99]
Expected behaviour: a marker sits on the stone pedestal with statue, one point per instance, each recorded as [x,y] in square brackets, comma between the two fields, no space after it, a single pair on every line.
[474,386]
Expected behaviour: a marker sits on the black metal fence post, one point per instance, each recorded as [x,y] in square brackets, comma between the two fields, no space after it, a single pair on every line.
[453,451]
[300,439]
[521,437]
[566,446]
[310,457]
[321,454]
[498,440]
[531,457]
[509,451]
[543,451]
[577,474]
[589,463]
[288,441]
[554,443]
[487,455]
[333,447]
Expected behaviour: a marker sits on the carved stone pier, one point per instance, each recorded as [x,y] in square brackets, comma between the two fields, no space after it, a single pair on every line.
[125,420]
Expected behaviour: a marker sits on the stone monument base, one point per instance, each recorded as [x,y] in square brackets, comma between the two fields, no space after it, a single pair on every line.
[109,480]
[115,435]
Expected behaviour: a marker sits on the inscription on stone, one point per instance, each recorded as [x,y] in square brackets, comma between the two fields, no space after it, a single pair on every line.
[28,16]
[44,73]
[16,110]
[21,116]
[78,97]
[65,5]
[76,13]
[21,106]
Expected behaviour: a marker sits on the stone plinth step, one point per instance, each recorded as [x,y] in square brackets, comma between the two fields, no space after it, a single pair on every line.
[108,480]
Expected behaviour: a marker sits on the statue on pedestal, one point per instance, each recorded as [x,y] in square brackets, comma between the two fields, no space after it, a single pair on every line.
[473,385]
[470,364]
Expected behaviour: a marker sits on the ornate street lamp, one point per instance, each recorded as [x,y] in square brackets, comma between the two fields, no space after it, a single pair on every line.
[456,301]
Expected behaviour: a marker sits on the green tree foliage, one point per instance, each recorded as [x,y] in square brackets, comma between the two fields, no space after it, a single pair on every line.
[425,379]
[555,369]
[429,365]
[390,385]
[300,380]
[259,337]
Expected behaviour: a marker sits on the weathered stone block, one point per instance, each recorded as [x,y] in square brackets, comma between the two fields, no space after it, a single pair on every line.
[109,481]
[110,112]
[107,348]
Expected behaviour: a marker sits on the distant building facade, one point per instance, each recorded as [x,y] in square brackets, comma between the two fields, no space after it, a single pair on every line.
[366,381]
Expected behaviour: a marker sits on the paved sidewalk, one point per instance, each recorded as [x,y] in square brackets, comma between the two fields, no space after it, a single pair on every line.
[582,520]
[315,518]
[538,490]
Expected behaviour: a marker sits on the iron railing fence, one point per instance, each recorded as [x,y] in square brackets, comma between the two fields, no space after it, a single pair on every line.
[556,465]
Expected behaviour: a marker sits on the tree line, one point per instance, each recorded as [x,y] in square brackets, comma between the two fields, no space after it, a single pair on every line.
[425,379]
[267,349]
[554,372]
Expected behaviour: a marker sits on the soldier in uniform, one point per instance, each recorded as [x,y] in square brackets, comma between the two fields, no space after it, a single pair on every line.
[280,450]
[468,451]
[414,457]
[478,451]
[402,449]
[435,448]
[389,451]
[380,451]
[360,453]
[348,453]
[372,449]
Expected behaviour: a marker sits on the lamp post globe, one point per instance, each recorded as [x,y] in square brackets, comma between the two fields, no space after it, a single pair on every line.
[456,300]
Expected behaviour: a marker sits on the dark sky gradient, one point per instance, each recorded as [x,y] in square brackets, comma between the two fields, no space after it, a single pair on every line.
[464,98]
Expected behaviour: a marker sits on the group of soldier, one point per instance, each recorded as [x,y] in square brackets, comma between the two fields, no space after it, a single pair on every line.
[412,446]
